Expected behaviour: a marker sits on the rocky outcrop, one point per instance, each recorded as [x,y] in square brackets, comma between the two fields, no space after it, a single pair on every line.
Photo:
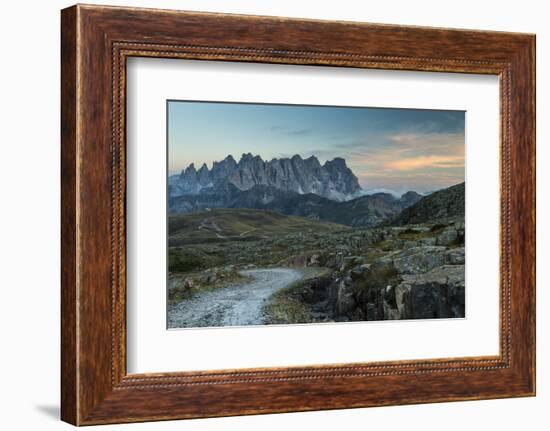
[445,203]
[333,180]
[386,290]
[438,293]
[403,273]
[418,259]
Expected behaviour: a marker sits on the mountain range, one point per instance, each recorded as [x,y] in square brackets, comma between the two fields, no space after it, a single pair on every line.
[298,187]
[367,210]
[332,180]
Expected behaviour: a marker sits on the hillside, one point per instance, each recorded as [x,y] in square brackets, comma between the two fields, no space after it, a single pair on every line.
[368,210]
[220,225]
[445,203]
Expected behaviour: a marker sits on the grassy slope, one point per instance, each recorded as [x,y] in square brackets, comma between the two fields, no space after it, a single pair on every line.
[286,307]
[219,225]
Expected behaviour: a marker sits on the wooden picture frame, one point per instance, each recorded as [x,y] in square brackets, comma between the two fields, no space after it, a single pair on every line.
[95,43]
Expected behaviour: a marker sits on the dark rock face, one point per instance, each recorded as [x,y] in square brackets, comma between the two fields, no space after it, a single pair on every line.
[221,170]
[444,203]
[333,180]
[203,176]
[436,294]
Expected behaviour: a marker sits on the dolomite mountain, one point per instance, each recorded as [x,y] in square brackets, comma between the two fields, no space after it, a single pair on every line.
[332,180]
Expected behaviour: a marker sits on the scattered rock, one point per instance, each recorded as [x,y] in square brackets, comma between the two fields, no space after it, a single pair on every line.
[419,259]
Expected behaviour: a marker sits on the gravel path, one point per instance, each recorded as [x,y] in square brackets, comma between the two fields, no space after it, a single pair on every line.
[235,305]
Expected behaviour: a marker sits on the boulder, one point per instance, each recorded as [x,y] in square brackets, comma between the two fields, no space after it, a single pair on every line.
[455,256]
[314,260]
[419,259]
[436,294]
[448,236]
[342,298]
[187,283]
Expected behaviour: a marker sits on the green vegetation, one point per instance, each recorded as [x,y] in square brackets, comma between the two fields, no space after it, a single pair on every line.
[385,245]
[182,261]
[187,259]
[375,285]
[351,270]
[283,308]
[179,293]
[374,254]
[436,228]
[185,287]
[378,278]
[222,225]
[288,306]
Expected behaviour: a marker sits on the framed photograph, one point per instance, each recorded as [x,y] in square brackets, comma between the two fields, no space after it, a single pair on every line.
[263,214]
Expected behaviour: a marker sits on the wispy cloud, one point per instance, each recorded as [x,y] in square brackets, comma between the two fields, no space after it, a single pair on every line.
[299,132]
[424,162]
[392,148]
[409,160]
[288,131]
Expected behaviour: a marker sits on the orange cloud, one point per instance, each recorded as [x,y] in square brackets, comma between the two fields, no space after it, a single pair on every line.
[421,162]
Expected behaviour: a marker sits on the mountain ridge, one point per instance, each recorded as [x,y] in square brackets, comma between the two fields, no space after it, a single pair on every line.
[333,180]
[367,210]
[441,204]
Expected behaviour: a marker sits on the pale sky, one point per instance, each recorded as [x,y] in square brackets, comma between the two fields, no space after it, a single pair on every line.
[394,149]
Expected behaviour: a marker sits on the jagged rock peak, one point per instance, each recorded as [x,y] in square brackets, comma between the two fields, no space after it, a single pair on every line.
[246,157]
[312,159]
[336,162]
[190,168]
[334,180]
[228,161]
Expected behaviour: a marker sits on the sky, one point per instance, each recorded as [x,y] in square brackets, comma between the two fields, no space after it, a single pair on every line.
[387,149]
